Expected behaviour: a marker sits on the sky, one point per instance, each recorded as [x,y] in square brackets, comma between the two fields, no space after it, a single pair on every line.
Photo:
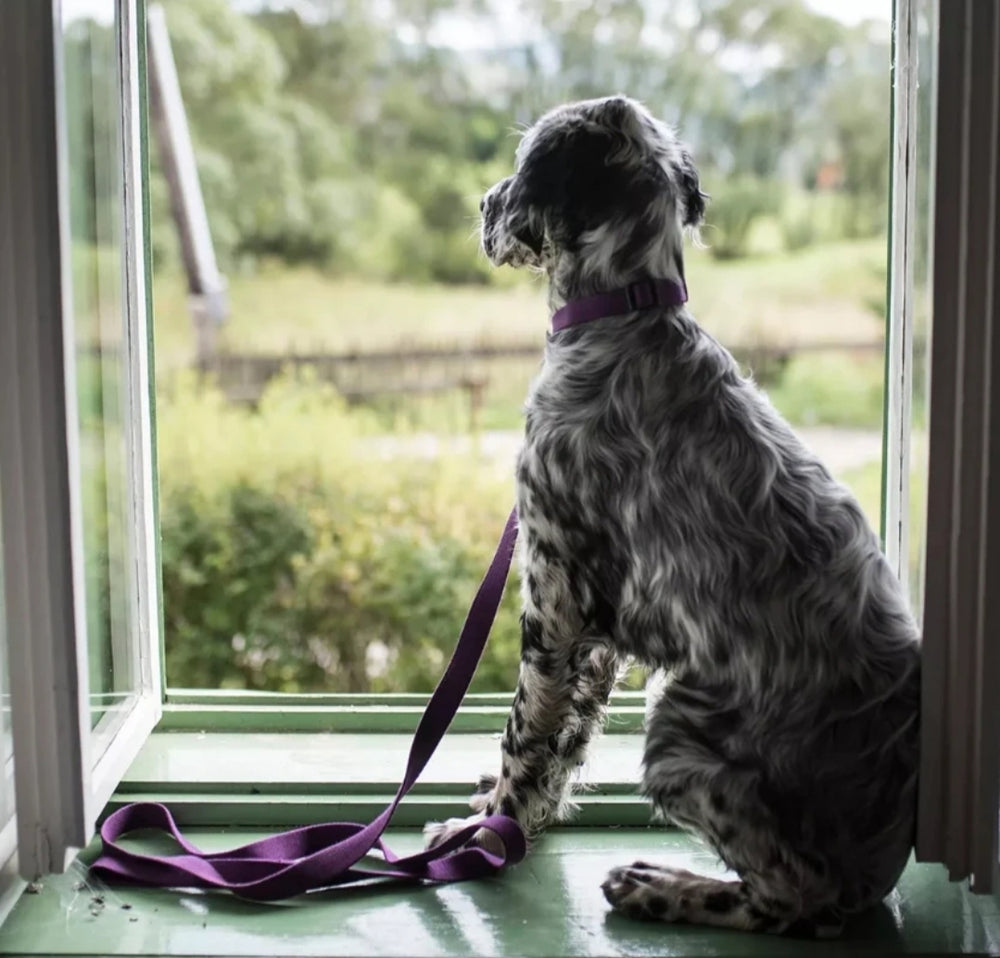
[508,29]
[854,11]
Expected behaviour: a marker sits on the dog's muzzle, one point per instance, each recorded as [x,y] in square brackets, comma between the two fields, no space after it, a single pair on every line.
[491,208]
[499,243]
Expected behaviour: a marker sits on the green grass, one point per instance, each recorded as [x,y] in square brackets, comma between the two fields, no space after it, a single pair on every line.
[825,292]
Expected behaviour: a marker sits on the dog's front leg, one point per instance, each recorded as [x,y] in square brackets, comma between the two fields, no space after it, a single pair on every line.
[559,703]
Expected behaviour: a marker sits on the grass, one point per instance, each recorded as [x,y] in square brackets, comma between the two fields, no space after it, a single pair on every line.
[825,292]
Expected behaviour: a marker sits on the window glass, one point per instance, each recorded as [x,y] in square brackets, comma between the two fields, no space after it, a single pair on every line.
[95,160]
[337,429]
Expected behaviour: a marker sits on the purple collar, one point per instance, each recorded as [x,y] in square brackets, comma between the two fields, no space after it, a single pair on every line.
[642,294]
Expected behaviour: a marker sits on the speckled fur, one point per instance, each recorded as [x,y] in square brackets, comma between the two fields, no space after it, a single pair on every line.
[669,514]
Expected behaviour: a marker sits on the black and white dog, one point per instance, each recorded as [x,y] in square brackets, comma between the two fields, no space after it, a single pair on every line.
[669,514]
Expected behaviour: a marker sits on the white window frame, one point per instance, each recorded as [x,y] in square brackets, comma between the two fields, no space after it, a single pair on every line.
[899,329]
[64,772]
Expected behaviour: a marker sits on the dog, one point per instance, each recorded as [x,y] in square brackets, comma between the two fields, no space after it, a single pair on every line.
[670,516]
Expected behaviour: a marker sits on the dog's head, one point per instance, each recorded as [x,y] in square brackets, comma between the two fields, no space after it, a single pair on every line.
[599,180]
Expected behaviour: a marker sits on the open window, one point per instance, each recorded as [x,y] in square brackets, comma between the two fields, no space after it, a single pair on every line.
[81,608]
[78,477]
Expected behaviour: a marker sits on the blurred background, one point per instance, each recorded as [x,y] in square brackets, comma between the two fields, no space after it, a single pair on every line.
[338,421]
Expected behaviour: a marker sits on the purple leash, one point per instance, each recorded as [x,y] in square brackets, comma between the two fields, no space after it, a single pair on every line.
[320,856]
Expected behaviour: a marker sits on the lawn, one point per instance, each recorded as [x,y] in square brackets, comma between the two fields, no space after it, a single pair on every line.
[829,292]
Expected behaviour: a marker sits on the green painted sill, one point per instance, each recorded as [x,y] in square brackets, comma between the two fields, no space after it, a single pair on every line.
[187,710]
[278,779]
[550,905]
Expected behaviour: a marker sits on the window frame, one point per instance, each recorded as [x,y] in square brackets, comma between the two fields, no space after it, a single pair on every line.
[899,358]
[65,771]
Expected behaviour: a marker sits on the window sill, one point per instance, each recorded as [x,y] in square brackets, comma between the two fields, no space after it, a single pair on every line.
[551,905]
[299,778]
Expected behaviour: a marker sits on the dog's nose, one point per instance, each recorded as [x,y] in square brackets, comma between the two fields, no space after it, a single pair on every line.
[482,205]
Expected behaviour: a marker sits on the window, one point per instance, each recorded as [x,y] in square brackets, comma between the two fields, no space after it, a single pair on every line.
[75,445]
[344,566]
[76,452]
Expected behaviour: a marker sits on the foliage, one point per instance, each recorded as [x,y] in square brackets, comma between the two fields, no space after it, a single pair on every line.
[799,232]
[736,204]
[834,389]
[355,137]
[294,559]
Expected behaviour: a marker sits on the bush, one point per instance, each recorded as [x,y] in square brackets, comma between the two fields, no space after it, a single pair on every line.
[799,232]
[832,389]
[735,206]
[295,559]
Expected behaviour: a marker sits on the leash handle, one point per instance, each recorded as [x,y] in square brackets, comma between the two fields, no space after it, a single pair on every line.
[321,856]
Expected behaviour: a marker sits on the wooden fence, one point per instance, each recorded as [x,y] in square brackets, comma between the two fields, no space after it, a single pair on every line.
[364,376]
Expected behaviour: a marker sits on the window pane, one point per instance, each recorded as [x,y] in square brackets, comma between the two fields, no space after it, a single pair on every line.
[336,457]
[94,144]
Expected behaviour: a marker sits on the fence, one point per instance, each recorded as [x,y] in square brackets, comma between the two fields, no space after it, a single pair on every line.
[365,376]
[361,377]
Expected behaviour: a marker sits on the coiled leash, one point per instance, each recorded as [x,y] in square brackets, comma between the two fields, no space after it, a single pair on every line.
[321,856]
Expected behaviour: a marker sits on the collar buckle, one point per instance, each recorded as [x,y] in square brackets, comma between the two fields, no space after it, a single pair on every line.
[642,294]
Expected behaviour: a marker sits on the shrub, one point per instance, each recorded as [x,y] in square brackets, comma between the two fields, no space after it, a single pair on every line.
[736,204]
[799,232]
[833,389]
[295,559]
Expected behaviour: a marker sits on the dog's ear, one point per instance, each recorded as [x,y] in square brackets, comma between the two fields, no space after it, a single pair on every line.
[567,184]
[694,199]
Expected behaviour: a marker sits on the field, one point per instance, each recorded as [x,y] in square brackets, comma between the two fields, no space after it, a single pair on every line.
[829,292]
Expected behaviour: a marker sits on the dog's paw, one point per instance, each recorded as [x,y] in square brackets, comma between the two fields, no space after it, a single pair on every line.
[436,833]
[648,892]
[482,798]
